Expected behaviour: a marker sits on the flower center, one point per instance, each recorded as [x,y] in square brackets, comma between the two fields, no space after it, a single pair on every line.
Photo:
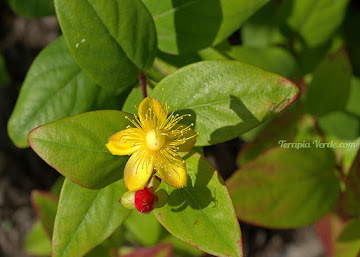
[154,139]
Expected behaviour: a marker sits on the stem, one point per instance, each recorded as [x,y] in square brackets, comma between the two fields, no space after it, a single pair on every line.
[143,84]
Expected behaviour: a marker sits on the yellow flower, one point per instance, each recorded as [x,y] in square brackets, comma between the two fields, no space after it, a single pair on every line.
[153,144]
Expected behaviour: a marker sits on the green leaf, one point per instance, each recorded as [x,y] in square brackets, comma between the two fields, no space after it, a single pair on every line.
[225,98]
[110,40]
[54,88]
[32,8]
[186,26]
[145,228]
[162,250]
[262,29]
[348,243]
[341,125]
[45,206]
[316,21]
[86,217]
[37,241]
[281,128]
[75,147]
[331,79]
[202,213]
[264,189]
[353,104]
[180,247]
[352,193]
[274,59]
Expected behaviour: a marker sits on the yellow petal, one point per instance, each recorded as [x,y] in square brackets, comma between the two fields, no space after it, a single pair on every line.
[125,141]
[190,134]
[152,105]
[173,172]
[138,170]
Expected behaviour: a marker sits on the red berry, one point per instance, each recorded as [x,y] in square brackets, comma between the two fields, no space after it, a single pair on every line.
[145,200]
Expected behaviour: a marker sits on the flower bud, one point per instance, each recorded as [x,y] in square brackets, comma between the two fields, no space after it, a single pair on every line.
[145,200]
[128,200]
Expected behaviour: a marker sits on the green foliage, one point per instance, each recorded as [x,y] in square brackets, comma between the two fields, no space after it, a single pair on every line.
[32,8]
[227,63]
[109,40]
[186,26]
[265,188]
[191,213]
[221,113]
[76,147]
[86,217]
[55,88]
[331,78]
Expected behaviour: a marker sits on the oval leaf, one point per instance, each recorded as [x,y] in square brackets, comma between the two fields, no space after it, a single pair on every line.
[37,242]
[86,217]
[186,26]
[75,147]
[110,39]
[54,88]
[332,77]
[226,98]
[265,188]
[45,206]
[202,213]
[316,21]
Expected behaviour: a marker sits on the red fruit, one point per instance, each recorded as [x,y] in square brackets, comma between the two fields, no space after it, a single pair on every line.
[145,200]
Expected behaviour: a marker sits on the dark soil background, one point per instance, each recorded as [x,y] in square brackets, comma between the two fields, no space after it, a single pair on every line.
[21,170]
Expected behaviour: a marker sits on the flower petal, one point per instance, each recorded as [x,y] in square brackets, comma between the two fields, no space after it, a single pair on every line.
[148,105]
[172,171]
[190,134]
[125,142]
[138,170]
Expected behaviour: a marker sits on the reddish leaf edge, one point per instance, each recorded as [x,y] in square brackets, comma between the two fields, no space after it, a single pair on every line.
[275,227]
[32,132]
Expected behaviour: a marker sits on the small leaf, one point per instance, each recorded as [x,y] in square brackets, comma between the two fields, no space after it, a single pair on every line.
[225,98]
[353,104]
[341,125]
[45,206]
[37,242]
[332,77]
[265,188]
[348,243]
[75,147]
[262,29]
[274,59]
[162,250]
[110,39]
[316,21]
[32,8]
[187,26]
[145,228]
[54,88]
[352,193]
[202,213]
[86,217]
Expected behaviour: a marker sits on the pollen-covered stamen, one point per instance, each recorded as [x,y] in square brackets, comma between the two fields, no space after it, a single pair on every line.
[155,139]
